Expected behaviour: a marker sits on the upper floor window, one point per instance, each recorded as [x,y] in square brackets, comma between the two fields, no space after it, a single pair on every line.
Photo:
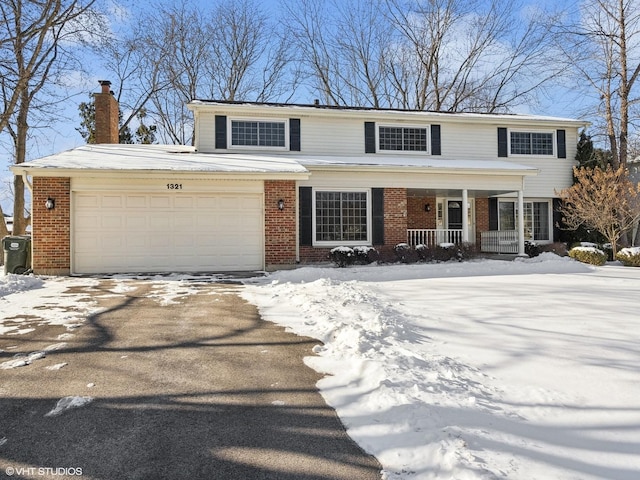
[258,133]
[531,143]
[412,139]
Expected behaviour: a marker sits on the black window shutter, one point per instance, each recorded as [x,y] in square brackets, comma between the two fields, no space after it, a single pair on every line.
[557,220]
[294,134]
[377,215]
[493,214]
[502,142]
[306,216]
[221,131]
[369,137]
[562,143]
[435,140]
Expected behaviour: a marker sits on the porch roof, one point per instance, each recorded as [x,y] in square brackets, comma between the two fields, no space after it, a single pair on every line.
[415,162]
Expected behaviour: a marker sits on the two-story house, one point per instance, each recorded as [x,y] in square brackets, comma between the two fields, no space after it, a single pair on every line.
[270,186]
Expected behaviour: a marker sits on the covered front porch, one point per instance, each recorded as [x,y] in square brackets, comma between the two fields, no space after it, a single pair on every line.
[436,217]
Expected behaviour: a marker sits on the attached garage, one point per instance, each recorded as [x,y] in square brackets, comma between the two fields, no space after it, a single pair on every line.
[161,209]
[115,232]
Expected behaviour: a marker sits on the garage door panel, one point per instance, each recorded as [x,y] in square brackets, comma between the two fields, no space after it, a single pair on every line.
[131,232]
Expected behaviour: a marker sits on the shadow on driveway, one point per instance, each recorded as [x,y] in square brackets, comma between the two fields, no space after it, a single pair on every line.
[197,389]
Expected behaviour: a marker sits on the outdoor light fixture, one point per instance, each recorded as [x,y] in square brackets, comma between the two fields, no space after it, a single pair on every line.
[427,207]
[50,204]
[280,204]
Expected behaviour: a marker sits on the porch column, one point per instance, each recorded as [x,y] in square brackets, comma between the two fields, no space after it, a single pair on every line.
[521,223]
[465,215]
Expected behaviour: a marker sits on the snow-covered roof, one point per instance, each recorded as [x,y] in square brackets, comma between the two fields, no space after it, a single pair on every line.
[412,162]
[184,159]
[323,110]
[173,158]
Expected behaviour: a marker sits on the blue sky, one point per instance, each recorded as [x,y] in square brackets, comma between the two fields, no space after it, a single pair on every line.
[63,136]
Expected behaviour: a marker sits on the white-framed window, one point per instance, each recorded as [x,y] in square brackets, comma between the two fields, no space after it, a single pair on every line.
[261,133]
[537,218]
[410,138]
[341,217]
[531,143]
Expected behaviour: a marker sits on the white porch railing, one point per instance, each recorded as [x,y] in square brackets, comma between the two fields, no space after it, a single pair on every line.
[433,237]
[499,241]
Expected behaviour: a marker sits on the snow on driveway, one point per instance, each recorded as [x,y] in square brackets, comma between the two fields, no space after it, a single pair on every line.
[475,370]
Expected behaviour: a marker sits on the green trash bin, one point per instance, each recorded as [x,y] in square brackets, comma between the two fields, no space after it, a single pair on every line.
[17,254]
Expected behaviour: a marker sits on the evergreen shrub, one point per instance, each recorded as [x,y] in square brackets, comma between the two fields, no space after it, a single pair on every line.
[630,257]
[590,255]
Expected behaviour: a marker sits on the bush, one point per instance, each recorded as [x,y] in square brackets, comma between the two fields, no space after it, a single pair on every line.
[345,256]
[342,256]
[405,254]
[425,254]
[591,255]
[630,257]
[532,249]
[365,255]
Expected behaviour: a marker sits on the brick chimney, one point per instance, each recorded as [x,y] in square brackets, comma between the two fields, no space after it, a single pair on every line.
[106,115]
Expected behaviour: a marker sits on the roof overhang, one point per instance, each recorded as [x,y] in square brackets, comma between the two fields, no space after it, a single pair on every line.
[157,161]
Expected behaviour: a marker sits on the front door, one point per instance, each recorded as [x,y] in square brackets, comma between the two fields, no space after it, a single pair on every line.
[454,214]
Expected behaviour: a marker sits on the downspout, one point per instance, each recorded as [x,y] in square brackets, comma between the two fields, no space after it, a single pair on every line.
[25,179]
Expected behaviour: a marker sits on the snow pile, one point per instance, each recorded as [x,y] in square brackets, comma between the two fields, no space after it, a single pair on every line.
[475,370]
[18,283]
[67,403]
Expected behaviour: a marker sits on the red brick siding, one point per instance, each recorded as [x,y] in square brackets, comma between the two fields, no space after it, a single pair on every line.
[417,217]
[106,118]
[280,225]
[51,239]
[395,216]
[482,217]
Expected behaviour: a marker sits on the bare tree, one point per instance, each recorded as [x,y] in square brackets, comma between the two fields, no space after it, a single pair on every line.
[181,52]
[437,54]
[604,200]
[41,35]
[603,48]
[469,55]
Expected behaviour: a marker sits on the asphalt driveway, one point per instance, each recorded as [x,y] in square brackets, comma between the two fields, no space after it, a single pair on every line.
[197,389]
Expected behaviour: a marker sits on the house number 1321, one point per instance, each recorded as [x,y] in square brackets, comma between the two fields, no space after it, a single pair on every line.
[174,186]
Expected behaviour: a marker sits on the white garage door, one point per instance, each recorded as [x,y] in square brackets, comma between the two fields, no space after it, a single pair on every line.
[176,232]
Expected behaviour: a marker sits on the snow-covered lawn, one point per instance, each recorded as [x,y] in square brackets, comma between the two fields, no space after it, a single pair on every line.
[489,369]
[477,370]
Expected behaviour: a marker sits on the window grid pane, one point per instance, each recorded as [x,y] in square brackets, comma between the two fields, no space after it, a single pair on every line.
[542,144]
[541,221]
[520,143]
[341,216]
[507,215]
[415,139]
[271,134]
[244,133]
[390,138]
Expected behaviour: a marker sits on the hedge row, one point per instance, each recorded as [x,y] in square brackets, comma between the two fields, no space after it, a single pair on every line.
[402,252]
